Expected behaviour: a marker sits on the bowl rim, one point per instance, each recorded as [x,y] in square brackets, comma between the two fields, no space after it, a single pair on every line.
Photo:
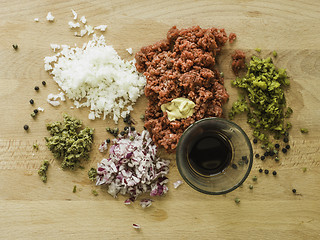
[249,164]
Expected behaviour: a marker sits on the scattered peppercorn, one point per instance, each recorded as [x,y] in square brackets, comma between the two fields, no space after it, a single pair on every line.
[284,150]
[74,189]
[44,83]
[271,153]
[15,46]
[286,134]
[257,155]
[274,173]
[266,154]
[122,133]
[285,140]
[288,146]
[26,127]
[237,200]
[108,140]
[132,129]
[254,178]
[31,101]
[304,130]
[234,166]
[260,170]
[35,111]
[36,88]
[266,171]
[126,128]
[277,145]
[294,190]
[255,141]
[263,158]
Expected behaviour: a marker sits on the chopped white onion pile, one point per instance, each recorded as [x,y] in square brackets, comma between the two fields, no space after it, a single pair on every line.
[133,167]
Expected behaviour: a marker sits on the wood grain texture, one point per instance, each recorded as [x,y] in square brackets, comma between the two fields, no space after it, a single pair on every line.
[33,210]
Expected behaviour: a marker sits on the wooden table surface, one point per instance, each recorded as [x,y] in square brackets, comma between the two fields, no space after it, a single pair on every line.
[30,209]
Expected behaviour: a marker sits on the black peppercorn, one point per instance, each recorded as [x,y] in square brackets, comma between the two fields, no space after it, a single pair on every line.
[266,154]
[234,166]
[286,140]
[26,127]
[257,155]
[288,146]
[44,83]
[266,171]
[244,158]
[274,173]
[260,170]
[36,88]
[126,128]
[108,140]
[31,101]
[35,111]
[263,158]
[122,133]
[284,150]
[276,145]
[133,129]
[255,141]
[294,190]
[271,153]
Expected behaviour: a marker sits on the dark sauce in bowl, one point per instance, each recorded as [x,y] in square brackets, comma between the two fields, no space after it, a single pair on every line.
[210,154]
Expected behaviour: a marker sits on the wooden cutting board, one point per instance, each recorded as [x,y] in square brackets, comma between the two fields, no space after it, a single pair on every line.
[31,209]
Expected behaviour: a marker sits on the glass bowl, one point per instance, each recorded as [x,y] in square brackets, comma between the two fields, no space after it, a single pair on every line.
[214,156]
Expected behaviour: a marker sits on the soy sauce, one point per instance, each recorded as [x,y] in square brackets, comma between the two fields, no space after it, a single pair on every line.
[210,154]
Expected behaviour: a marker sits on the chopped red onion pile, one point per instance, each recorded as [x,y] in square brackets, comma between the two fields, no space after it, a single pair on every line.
[133,167]
[136,226]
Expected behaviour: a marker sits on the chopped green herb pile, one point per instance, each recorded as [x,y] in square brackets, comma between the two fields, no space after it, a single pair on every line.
[265,102]
[68,142]
[43,171]
[92,174]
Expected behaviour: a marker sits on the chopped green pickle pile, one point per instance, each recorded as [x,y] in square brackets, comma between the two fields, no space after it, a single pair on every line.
[68,142]
[263,99]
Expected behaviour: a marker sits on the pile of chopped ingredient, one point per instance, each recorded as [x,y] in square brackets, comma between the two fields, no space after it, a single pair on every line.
[68,142]
[133,167]
[95,76]
[263,99]
[42,172]
[183,65]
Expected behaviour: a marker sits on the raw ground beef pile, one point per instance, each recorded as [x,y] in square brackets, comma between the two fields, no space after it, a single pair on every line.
[183,65]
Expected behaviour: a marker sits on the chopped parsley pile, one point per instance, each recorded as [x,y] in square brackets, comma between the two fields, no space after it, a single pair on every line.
[263,99]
